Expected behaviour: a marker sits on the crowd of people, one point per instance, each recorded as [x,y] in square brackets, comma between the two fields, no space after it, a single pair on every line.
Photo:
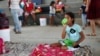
[21,9]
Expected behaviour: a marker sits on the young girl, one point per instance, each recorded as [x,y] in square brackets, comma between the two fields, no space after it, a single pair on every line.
[83,14]
[72,30]
[52,12]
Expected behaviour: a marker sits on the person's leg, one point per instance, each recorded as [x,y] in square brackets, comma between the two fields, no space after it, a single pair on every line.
[83,21]
[92,24]
[98,22]
[21,20]
[26,17]
[55,44]
[14,13]
[51,19]
[34,17]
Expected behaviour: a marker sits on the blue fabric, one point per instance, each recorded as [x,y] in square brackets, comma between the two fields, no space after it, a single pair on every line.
[38,2]
[14,13]
[22,5]
[1,10]
[73,32]
[84,20]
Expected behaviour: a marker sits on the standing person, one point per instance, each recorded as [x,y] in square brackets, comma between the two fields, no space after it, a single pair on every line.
[29,10]
[93,14]
[15,9]
[83,14]
[52,12]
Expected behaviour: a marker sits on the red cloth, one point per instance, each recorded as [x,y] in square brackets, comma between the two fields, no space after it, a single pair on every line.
[24,0]
[29,7]
[46,50]
[94,10]
[1,45]
[59,6]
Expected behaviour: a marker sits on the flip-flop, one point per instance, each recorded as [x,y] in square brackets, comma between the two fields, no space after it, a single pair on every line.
[92,34]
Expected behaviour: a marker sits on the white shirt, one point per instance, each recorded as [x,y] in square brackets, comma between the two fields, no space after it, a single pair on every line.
[15,4]
[52,10]
[73,32]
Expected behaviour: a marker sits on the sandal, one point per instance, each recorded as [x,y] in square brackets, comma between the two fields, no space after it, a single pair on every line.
[92,34]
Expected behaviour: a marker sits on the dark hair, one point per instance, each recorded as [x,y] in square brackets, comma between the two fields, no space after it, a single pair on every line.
[52,3]
[71,15]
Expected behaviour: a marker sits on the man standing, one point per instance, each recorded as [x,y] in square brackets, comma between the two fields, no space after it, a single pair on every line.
[15,9]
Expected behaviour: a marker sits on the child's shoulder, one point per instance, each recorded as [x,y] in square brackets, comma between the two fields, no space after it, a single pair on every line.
[77,25]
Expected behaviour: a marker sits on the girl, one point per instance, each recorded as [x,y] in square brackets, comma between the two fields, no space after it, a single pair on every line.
[74,32]
[83,14]
[52,12]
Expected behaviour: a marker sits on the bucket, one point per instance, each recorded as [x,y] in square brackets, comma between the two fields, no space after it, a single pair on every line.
[43,22]
[5,34]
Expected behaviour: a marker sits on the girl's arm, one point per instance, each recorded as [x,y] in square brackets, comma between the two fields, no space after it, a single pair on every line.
[64,32]
[81,39]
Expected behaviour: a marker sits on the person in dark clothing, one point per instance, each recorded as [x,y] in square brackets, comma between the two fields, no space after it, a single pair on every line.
[93,14]
[83,14]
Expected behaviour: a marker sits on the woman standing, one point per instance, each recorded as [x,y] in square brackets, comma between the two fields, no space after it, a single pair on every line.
[93,14]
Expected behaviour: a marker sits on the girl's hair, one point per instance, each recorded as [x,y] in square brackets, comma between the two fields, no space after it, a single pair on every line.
[52,3]
[71,15]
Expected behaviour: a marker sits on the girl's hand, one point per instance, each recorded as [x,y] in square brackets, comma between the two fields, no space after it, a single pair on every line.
[75,44]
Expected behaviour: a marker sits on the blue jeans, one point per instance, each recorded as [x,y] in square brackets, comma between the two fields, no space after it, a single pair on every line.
[17,25]
[84,20]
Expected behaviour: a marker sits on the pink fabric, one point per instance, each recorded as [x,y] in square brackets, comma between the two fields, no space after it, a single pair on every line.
[1,45]
[46,50]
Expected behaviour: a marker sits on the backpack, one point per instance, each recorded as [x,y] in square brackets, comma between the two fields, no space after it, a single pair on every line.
[4,22]
[1,45]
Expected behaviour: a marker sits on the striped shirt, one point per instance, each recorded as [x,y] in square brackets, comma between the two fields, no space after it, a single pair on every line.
[15,4]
